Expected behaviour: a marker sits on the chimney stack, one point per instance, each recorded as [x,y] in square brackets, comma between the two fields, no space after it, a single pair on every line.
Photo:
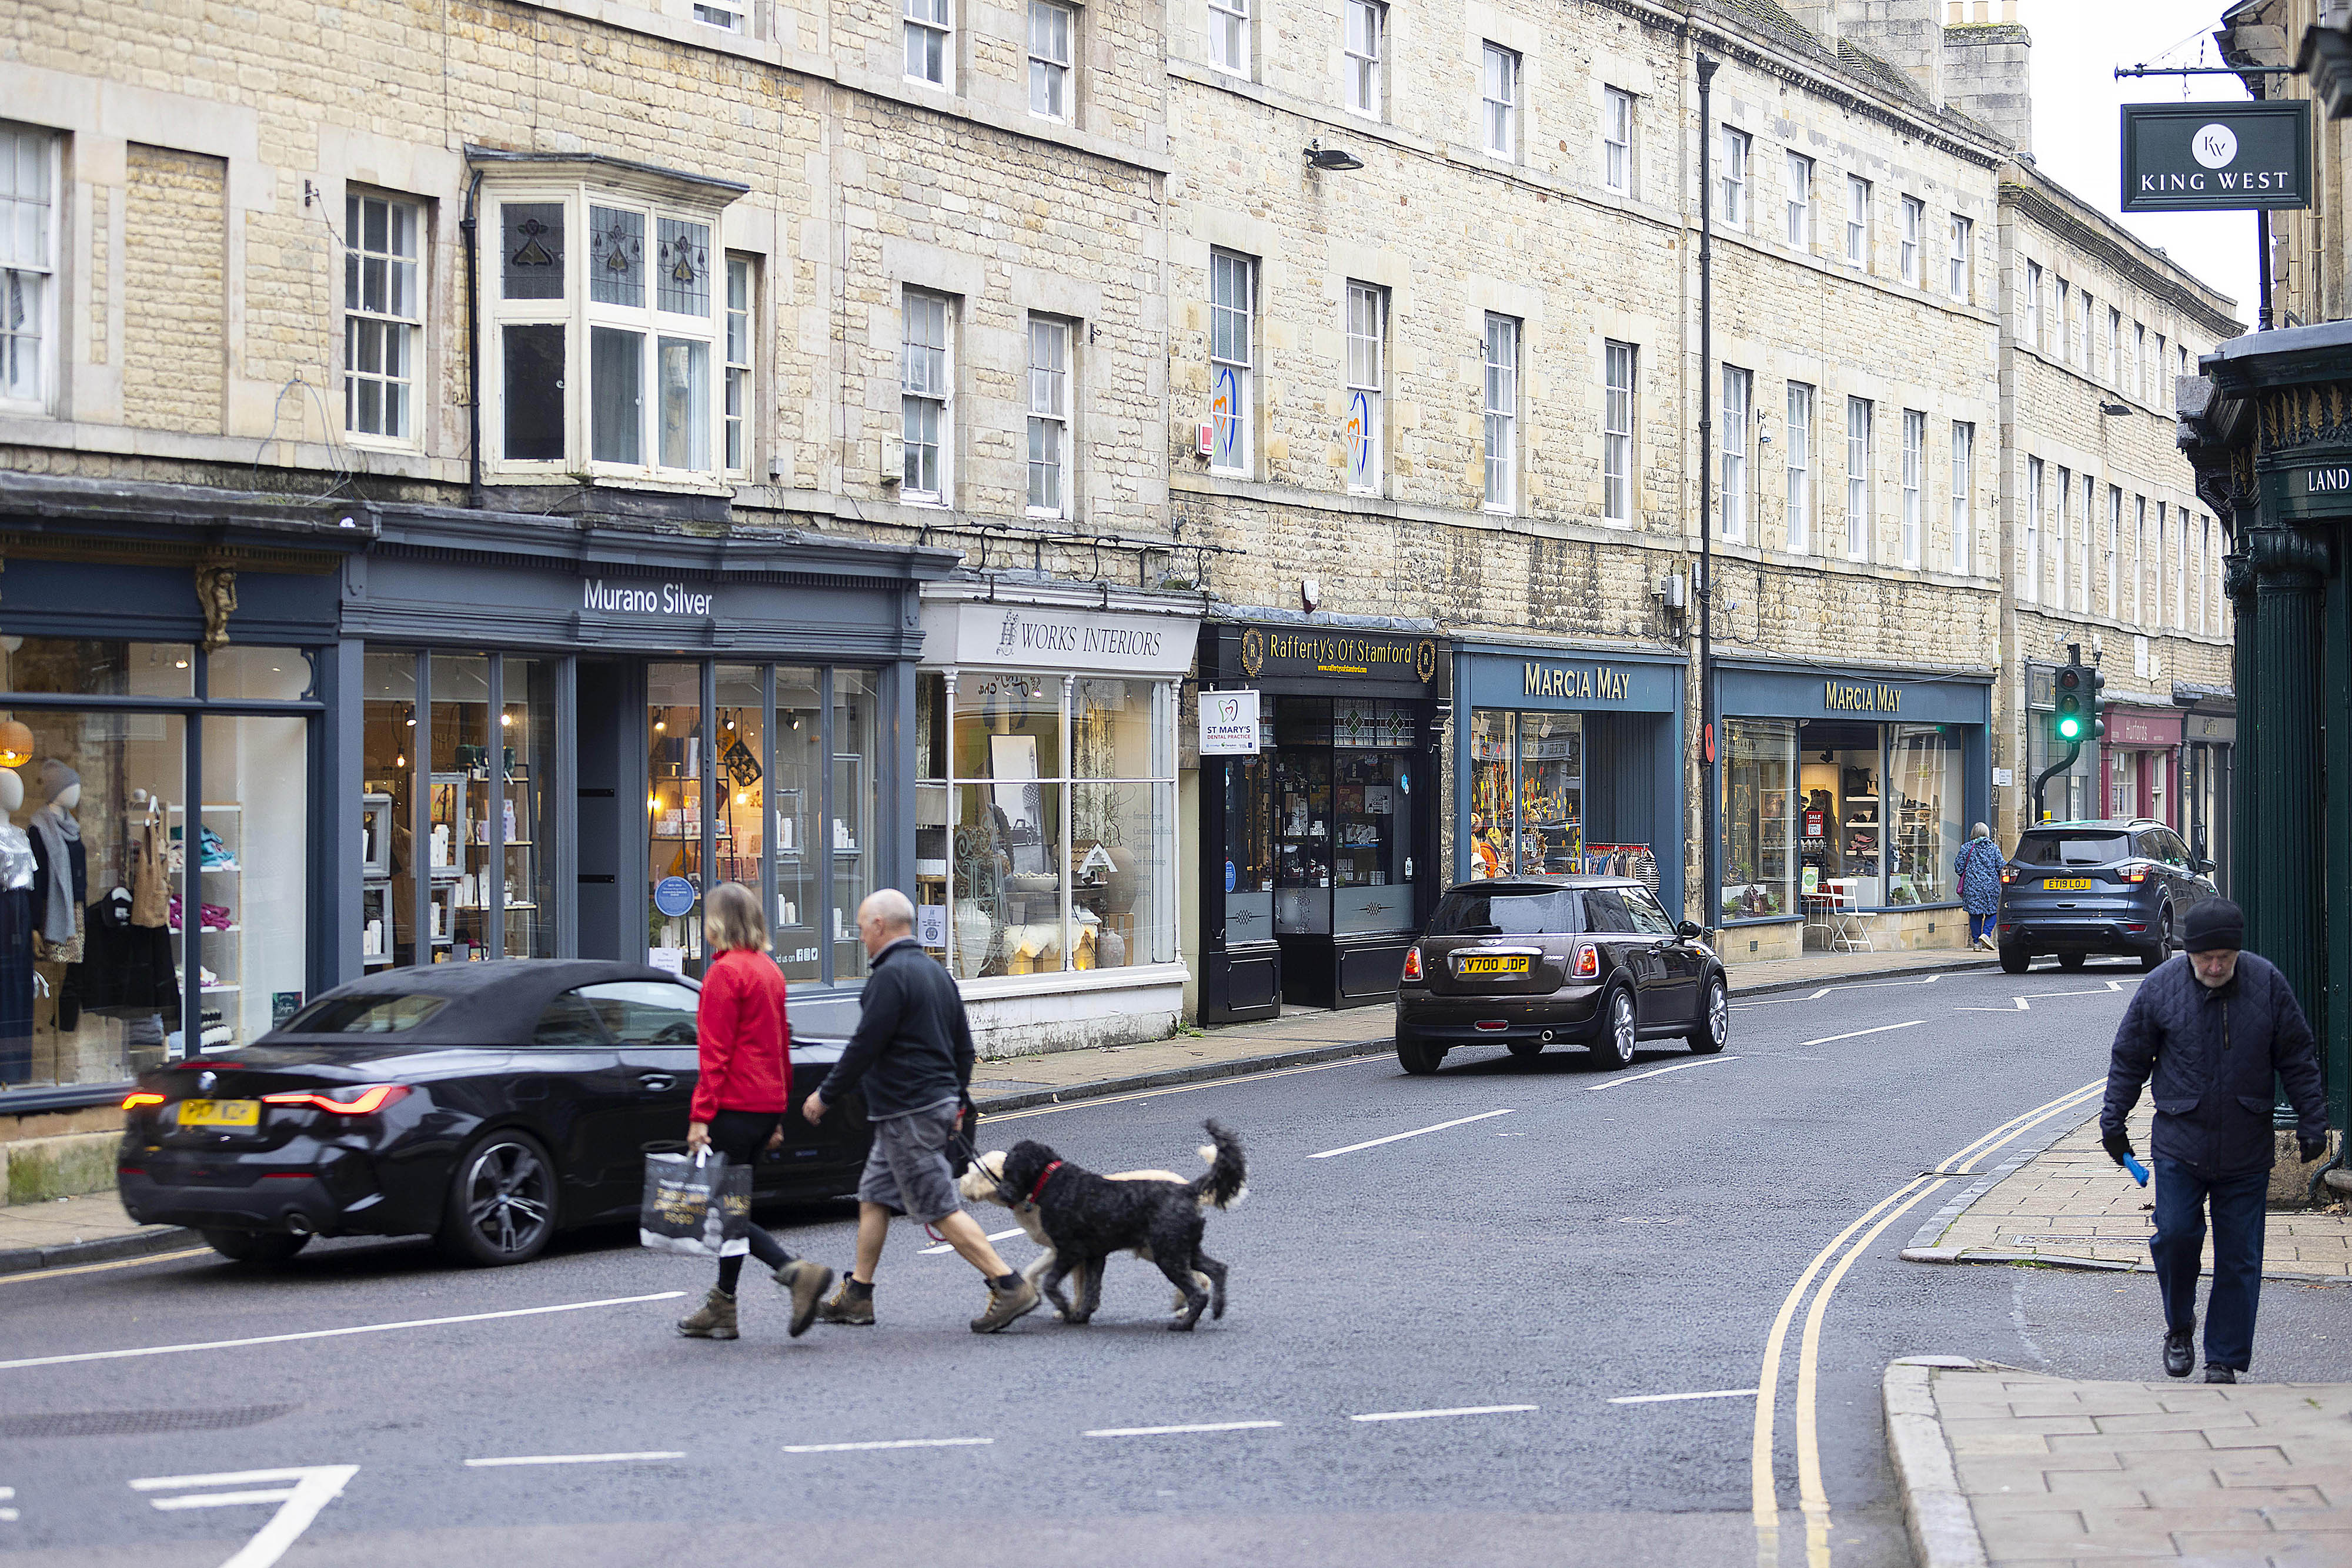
[1907,33]
[1819,16]
[1986,76]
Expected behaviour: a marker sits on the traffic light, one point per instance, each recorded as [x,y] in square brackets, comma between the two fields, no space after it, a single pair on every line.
[2092,701]
[2071,724]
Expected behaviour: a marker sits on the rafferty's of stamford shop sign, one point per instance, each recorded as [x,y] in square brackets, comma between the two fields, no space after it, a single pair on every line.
[1336,654]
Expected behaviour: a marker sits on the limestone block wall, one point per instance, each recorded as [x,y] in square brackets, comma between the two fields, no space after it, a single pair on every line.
[175,295]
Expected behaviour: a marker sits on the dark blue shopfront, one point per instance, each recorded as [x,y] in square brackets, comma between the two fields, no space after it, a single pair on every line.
[1867,778]
[1568,762]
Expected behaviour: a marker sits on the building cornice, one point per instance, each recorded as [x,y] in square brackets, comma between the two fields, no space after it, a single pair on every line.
[2057,208]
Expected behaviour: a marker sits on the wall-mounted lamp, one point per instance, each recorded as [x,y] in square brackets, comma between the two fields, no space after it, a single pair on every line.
[1337,159]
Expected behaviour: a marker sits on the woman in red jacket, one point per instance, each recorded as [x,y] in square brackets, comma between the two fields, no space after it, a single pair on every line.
[740,1099]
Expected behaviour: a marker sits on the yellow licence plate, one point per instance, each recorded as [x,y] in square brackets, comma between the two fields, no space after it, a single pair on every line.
[1517,965]
[220,1113]
[2068,884]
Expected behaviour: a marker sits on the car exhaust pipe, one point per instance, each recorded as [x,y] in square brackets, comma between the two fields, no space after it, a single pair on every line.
[1546,1037]
[296,1225]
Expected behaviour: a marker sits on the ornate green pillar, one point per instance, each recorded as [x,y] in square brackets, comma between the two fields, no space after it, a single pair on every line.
[2279,722]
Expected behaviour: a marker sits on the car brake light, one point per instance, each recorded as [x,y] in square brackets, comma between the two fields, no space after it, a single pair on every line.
[360,1100]
[1588,962]
[2134,873]
[1413,963]
[2007,876]
[140,1100]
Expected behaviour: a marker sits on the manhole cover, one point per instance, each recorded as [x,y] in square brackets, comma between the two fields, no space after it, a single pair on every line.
[136,1423]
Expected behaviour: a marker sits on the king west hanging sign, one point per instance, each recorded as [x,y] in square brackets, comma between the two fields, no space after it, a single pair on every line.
[2216,157]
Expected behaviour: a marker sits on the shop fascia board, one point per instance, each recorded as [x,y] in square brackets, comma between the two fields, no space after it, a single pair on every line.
[62,518]
[1550,649]
[591,546]
[1965,674]
[1267,615]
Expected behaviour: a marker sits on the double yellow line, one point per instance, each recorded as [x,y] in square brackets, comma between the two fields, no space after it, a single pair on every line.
[1812,1496]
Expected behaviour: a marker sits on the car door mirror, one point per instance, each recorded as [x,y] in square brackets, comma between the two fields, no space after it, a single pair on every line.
[1690,931]
[2204,867]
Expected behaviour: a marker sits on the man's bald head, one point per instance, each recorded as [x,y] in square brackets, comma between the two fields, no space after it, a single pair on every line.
[886,915]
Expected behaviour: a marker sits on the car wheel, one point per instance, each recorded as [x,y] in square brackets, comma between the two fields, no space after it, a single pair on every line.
[501,1203]
[1419,1059]
[263,1247]
[2015,960]
[1714,1030]
[1614,1048]
[1525,1049]
[2073,960]
[2163,948]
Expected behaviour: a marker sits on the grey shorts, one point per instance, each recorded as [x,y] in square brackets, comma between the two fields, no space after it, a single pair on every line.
[907,1169]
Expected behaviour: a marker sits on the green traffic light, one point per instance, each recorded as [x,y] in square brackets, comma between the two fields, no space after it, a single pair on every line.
[2070,729]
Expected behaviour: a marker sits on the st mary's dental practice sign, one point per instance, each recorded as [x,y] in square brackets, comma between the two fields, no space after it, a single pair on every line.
[2216,157]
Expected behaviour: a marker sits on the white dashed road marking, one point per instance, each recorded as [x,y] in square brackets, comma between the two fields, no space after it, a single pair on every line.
[1437,1414]
[1657,1072]
[306,1492]
[649,1457]
[333,1334]
[1857,1034]
[896,1443]
[1670,1398]
[1171,1431]
[945,1247]
[1417,1131]
[7,1515]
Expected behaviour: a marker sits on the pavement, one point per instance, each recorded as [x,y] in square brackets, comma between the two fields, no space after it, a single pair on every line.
[1520,1313]
[2000,1466]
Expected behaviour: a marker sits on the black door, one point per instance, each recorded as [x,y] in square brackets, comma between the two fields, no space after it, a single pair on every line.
[572,1083]
[1629,950]
[1678,960]
[652,1022]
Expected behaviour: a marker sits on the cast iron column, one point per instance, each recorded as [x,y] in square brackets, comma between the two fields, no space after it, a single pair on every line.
[2285,914]
[1710,742]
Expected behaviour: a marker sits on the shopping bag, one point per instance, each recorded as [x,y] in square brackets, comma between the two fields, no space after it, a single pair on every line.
[699,1205]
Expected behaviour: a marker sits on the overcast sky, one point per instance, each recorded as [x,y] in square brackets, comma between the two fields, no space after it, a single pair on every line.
[2077,43]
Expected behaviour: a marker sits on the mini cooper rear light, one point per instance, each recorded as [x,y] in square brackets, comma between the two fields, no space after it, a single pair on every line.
[1413,963]
[140,1100]
[358,1100]
[1588,962]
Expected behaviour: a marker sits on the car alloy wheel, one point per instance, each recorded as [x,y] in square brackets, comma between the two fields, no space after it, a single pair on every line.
[2153,960]
[1713,1031]
[502,1202]
[1614,1049]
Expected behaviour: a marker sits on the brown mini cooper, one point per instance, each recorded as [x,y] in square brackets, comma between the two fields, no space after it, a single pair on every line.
[1527,962]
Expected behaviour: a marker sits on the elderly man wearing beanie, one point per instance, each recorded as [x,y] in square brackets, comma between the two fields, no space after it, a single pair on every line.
[2213,1026]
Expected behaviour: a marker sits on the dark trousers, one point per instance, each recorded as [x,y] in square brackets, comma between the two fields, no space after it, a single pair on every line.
[1980,924]
[2182,1197]
[740,1136]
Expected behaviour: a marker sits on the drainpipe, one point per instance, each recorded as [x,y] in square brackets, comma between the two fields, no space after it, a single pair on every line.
[1710,742]
[473,347]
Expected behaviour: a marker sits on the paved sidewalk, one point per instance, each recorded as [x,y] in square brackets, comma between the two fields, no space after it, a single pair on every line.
[2069,1205]
[1997,1467]
[1830,969]
[86,1230]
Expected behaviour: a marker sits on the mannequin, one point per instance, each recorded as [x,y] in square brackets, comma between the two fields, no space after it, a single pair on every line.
[16,872]
[63,885]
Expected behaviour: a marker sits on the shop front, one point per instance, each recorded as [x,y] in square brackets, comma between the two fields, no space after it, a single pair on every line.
[1568,763]
[1846,795]
[2207,777]
[1319,850]
[2140,762]
[164,739]
[566,736]
[1045,857]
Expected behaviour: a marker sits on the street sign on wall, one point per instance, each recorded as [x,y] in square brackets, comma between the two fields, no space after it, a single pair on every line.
[2216,157]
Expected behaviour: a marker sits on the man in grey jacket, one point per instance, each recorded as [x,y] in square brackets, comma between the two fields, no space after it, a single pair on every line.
[2213,1028]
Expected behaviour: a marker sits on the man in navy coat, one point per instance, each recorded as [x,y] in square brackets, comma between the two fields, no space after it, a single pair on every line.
[2213,1028]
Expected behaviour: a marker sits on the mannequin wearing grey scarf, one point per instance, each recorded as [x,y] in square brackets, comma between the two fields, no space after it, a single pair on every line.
[61,854]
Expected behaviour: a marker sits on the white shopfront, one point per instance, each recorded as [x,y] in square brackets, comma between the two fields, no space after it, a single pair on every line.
[1046,839]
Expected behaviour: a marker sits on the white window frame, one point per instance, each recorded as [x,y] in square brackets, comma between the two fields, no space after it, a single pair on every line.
[725,18]
[1499,353]
[1861,435]
[1052,342]
[2115,366]
[1233,360]
[1053,81]
[1364,429]
[2114,550]
[1798,208]
[2080,545]
[1732,490]
[1857,222]
[576,309]
[1619,393]
[1960,272]
[1364,28]
[1915,481]
[2032,324]
[1617,172]
[1964,498]
[33,156]
[2155,375]
[1797,430]
[2062,297]
[2139,360]
[740,391]
[2082,330]
[927,31]
[2163,550]
[2062,526]
[1731,176]
[1229,36]
[1499,94]
[1914,221]
[926,380]
[2029,582]
[2140,560]
[388,275]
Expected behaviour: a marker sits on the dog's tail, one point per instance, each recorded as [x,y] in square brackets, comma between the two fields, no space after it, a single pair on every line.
[1227,1181]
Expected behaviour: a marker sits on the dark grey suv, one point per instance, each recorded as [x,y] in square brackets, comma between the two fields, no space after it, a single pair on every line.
[2079,888]
[1528,962]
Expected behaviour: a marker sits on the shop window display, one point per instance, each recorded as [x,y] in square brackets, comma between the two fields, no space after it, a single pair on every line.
[1341,785]
[674,804]
[393,769]
[1527,802]
[1760,818]
[1250,859]
[1843,809]
[851,813]
[1924,807]
[797,800]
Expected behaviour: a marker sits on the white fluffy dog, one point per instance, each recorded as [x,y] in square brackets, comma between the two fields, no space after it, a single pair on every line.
[981,1182]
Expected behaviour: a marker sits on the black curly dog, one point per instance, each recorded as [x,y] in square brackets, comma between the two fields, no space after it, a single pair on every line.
[1087,1217]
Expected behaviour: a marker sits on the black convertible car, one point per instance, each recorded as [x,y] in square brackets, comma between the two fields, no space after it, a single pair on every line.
[489,1105]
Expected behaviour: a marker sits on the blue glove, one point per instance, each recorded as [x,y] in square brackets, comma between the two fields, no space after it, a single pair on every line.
[2138,1171]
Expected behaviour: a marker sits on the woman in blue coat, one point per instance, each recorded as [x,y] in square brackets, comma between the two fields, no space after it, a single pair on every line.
[1978,865]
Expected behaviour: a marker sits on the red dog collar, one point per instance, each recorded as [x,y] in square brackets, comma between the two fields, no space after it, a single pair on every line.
[1043,1177]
